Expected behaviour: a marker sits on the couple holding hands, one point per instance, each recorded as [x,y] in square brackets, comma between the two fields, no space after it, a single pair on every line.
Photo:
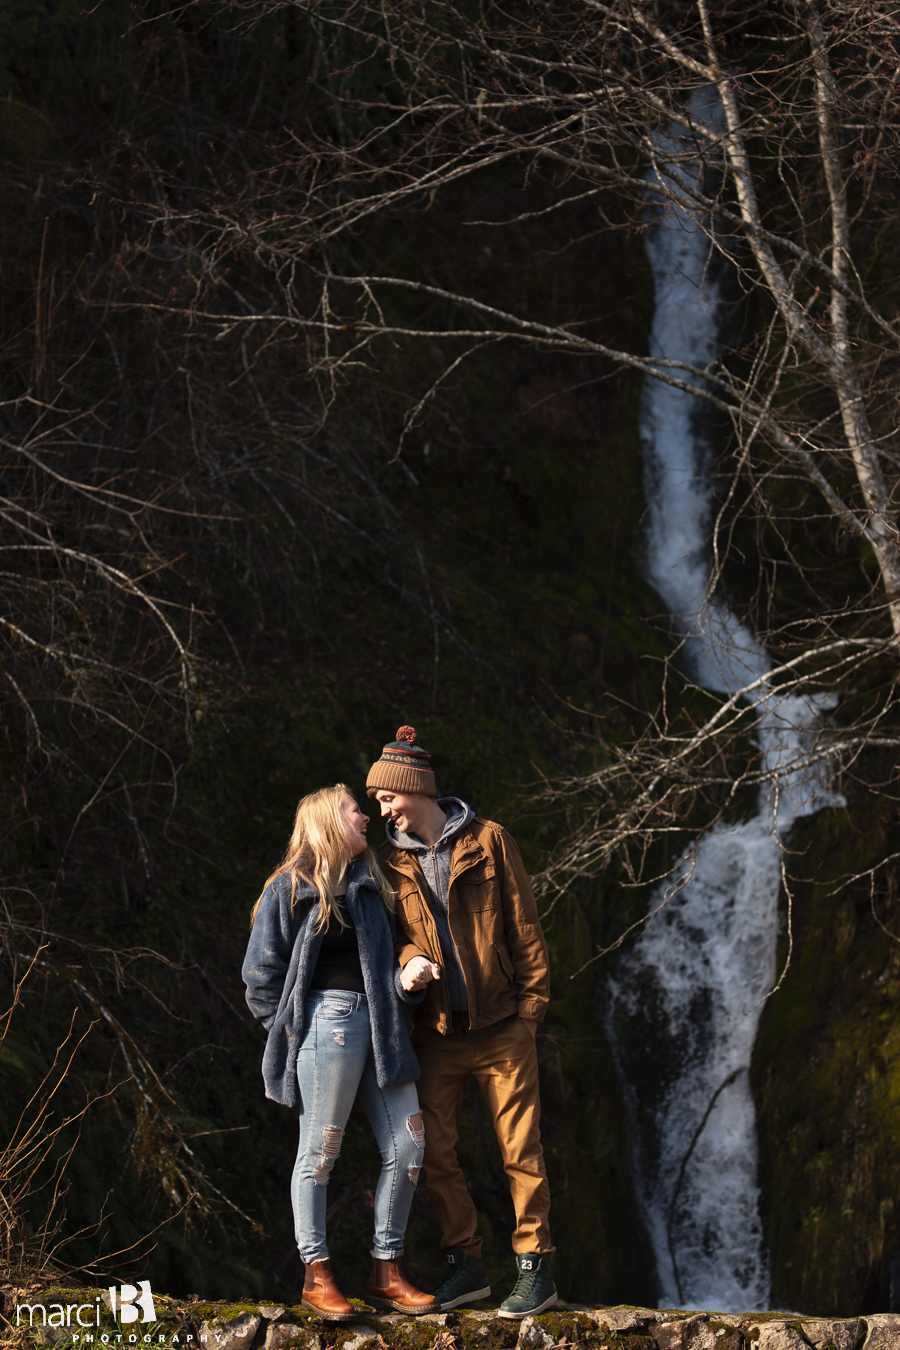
[443,919]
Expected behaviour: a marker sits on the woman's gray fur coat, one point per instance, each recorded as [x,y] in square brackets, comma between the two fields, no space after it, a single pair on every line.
[281,957]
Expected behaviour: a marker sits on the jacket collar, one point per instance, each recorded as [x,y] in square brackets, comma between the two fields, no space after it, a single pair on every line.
[357,875]
[465,853]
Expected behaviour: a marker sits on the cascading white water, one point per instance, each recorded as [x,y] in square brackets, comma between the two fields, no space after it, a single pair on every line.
[684,1003]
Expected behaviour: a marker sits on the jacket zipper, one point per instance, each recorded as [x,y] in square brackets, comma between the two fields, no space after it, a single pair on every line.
[445,991]
[437,887]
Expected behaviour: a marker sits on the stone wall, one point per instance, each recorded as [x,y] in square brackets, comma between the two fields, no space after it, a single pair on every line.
[195,1325]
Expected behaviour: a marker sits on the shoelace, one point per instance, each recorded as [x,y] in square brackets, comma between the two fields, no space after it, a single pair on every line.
[453,1277]
[525,1283]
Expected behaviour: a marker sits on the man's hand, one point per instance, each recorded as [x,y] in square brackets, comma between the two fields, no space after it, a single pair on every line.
[418,972]
[532,1026]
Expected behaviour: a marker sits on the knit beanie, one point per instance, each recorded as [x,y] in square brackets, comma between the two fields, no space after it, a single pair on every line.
[403,767]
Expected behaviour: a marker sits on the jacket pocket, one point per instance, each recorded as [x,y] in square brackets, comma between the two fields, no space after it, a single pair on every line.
[506,964]
[477,889]
[408,906]
[334,1010]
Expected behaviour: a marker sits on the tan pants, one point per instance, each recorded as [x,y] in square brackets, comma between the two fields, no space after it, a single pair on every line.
[506,1069]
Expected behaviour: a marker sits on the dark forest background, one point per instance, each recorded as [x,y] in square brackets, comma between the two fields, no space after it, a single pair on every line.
[227,579]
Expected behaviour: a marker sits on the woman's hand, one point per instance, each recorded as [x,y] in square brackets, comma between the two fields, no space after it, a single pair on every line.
[418,972]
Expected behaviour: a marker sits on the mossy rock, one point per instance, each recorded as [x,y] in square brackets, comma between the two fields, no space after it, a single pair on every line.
[222,1312]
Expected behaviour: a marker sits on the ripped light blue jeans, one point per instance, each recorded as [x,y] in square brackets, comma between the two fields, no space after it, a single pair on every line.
[335,1064]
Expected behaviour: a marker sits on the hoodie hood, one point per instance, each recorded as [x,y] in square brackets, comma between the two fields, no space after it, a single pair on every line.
[459,815]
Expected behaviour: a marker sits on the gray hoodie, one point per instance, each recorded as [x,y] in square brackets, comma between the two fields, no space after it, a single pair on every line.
[436,863]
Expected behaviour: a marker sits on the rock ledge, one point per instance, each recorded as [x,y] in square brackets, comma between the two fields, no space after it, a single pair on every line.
[196,1325]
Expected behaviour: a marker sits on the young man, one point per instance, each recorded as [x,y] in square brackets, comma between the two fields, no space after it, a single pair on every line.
[469,933]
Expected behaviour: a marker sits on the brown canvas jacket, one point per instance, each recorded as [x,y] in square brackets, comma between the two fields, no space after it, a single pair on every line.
[494,921]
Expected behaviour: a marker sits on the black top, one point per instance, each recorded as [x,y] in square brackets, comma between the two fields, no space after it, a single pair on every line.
[338,965]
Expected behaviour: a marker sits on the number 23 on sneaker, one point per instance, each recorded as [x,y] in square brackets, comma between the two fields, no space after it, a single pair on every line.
[534,1290]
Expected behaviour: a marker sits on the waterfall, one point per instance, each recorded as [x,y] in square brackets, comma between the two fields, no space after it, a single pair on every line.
[684,1003]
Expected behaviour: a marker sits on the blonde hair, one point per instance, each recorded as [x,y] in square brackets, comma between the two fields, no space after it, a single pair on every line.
[319,854]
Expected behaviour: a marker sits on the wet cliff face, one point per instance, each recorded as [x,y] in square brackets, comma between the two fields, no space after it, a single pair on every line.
[825,1072]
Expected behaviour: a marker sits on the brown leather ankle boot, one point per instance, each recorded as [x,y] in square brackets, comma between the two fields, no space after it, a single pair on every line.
[389,1288]
[321,1295]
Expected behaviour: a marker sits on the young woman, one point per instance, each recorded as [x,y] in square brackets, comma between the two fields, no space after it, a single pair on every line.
[322,978]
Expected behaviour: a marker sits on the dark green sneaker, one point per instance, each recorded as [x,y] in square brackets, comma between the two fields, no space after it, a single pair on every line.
[534,1289]
[465,1281]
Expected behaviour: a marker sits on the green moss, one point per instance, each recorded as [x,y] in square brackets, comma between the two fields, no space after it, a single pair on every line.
[229,1310]
[575,1326]
[497,1334]
[295,1312]
[620,1340]
[411,1335]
